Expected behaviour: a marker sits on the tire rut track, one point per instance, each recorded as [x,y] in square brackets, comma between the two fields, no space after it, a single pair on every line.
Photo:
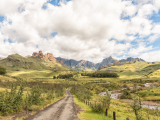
[63,109]
[59,112]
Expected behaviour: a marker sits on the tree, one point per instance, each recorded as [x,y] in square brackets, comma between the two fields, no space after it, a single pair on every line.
[54,77]
[2,70]
[136,106]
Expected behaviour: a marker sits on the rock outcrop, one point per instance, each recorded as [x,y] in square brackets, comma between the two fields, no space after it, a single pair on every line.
[48,56]
[60,61]
[27,56]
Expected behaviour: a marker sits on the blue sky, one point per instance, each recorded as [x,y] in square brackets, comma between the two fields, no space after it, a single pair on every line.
[1,18]
[86,29]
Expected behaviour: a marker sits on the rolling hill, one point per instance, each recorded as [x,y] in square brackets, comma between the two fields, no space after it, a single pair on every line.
[135,69]
[17,65]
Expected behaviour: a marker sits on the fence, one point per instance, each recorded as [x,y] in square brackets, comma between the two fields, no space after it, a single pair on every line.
[106,111]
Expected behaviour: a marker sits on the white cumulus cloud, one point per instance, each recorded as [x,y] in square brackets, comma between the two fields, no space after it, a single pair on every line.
[87,29]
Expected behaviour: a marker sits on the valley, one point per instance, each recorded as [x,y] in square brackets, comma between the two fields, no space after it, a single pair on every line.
[44,79]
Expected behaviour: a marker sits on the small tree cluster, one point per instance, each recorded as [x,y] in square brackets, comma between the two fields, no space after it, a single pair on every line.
[61,76]
[81,92]
[103,74]
[137,106]
[11,102]
[34,97]
[126,94]
[15,101]
[104,102]
[2,70]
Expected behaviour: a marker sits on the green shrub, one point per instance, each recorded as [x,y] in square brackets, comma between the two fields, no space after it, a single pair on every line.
[12,101]
[106,100]
[50,96]
[97,107]
[2,70]
[125,86]
[126,95]
[81,92]
[34,97]
[143,94]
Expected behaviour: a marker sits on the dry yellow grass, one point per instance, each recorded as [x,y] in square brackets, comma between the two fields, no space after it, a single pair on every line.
[27,72]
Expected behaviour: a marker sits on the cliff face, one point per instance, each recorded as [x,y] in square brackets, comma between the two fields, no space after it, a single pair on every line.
[27,56]
[108,60]
[85,63]
[78,65]
[48,56]
[131,59]
[70,63]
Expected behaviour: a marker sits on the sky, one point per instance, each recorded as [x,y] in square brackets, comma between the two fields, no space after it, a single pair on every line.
[81,29]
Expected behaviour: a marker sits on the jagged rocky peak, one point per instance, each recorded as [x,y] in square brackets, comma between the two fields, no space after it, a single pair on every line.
[108,60]
[40,55]
[131,59]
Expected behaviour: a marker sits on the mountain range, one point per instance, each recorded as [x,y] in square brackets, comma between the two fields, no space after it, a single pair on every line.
[46,65]
[87,65]
[74,64]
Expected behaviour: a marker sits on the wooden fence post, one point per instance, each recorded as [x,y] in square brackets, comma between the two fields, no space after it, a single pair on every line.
[106,112]
[114,115]
[127,118]
[26,109]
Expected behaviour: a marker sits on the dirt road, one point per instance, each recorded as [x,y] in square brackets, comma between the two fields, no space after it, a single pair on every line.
[61,110]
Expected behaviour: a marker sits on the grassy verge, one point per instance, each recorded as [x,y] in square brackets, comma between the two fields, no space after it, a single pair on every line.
[122,109]
[88,114]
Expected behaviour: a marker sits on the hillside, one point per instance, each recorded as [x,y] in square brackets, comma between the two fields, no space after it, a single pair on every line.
[16,62]
[150,70]
[17,65]
[136,69]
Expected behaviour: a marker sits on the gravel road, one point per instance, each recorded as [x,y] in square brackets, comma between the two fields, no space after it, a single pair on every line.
[63,109]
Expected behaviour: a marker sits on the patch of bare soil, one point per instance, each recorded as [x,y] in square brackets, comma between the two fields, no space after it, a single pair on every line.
[18,115]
